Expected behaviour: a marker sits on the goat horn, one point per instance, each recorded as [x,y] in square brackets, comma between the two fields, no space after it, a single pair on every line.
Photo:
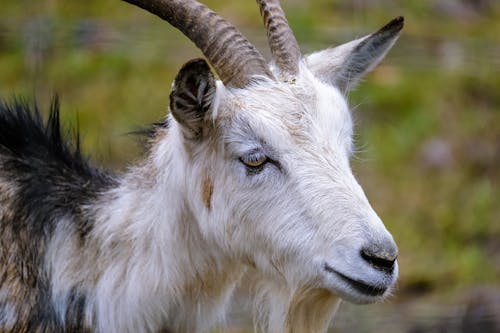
[284,46]
[233,57]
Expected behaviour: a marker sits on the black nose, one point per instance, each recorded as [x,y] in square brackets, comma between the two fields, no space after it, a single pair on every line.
[380,259]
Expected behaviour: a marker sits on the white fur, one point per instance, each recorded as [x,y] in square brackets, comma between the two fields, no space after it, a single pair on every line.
[8,315]
[160,257]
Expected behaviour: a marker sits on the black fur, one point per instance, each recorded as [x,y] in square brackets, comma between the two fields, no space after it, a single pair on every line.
[147,134]
[150,131]
[51,174]
[52,181]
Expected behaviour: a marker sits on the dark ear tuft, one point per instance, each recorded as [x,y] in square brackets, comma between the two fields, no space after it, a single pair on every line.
[393,27]
[191,97]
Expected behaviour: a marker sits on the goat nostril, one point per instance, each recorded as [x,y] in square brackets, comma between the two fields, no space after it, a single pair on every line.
[379,262]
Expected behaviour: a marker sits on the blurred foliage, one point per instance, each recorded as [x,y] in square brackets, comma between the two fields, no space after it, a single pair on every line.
[428,118]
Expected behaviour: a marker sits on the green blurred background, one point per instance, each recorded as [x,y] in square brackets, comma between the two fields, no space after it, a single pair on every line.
[428,125]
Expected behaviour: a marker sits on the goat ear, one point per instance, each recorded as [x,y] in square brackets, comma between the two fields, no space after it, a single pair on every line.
[343,66]
[191,97]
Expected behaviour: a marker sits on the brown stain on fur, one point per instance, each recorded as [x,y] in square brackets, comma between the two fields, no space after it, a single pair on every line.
[207,191]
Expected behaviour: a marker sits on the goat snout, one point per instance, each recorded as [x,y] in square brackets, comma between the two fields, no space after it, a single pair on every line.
[382,258]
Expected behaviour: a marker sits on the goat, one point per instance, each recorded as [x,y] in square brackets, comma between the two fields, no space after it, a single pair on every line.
[248,174]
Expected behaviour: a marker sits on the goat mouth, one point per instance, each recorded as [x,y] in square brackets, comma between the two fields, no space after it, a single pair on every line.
[359,286]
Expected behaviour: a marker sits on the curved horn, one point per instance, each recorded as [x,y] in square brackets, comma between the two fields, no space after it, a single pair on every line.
[234,58]
[284,46]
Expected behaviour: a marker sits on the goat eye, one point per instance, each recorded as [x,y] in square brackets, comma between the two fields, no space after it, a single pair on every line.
[254,160]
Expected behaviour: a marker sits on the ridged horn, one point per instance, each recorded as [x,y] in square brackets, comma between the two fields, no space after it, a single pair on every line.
[284,46]
[233,57]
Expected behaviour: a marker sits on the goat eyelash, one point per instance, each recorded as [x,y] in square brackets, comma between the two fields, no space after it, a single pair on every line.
[254,161]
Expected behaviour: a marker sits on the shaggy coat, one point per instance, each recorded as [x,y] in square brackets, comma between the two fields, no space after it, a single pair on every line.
[45,186]
[247,175]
